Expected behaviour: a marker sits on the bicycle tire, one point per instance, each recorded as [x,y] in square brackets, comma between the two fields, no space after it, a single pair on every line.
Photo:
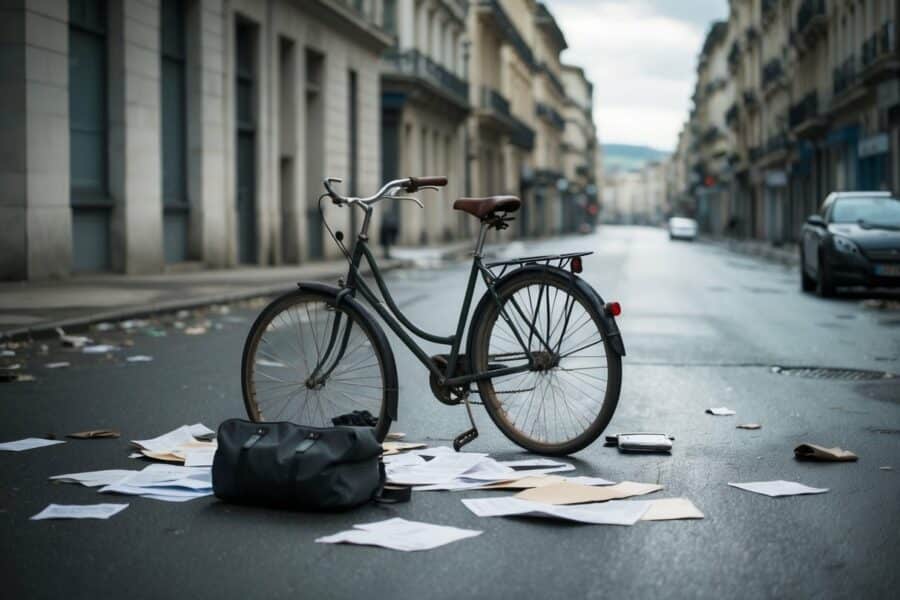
[386,394]
[498,409]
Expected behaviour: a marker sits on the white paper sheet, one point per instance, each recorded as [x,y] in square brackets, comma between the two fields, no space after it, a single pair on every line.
[778,488]
[585,480]
[28,444]
[533,462]
[403,459]
[168,441]
[442,469]
[199,457]
[138,358]
[604,513]
[56,365]
[201,431]
[400,534]
[95,478]
[721,411]
[79,511]
[99,349]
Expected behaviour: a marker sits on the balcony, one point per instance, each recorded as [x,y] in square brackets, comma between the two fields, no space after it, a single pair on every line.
[493,10]
[768,10]
[732,115]
[776,143]
[844,76]
[521,135]
[878,57]
[804,117]
[751,102]
[869,51]
[811,17]
[550,115]
[734,57]
[413,65]
[493,101]
[772,73]
[754,152]
[752,36]
[554,80]
[495,107]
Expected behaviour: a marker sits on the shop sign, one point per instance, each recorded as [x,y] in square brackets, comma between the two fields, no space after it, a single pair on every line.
[872,145]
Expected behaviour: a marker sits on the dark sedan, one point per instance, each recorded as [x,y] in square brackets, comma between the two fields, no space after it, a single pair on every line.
[853,241]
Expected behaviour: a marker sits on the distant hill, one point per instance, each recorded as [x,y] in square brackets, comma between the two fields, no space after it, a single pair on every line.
[624,157]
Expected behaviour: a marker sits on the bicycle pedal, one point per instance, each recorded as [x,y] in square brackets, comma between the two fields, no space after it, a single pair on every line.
[464,438]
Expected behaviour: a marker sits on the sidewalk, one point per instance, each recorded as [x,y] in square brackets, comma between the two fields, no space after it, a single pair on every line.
[34,308]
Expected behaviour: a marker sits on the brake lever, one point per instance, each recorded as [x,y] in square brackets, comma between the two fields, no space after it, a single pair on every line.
[429,187]
[410,198]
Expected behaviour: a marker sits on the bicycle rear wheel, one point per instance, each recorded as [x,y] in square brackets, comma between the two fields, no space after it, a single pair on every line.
[566,400]
[312,362]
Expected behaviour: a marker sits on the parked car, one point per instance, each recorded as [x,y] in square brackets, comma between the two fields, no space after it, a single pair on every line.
[682,228]
[854,240]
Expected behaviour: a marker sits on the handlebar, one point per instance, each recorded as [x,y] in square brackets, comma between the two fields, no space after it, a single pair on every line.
[408,184]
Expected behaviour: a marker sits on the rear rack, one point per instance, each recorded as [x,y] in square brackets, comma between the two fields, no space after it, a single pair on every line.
[560,261]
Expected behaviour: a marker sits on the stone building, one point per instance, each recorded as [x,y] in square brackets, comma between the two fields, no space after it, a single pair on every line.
[144,133]
[580,149]
[816,108]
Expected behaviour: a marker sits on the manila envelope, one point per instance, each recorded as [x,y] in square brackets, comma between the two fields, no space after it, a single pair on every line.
[814,452]
[398,447]
[669,509]
[525,483]
[574,493]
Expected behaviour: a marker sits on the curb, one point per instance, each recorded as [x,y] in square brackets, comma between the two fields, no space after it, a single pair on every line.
[764,251]
[144,310]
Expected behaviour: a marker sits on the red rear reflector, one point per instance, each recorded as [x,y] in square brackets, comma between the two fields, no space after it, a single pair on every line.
[613,308]
[576,264]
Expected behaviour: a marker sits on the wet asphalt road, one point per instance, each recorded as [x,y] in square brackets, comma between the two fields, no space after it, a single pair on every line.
[702,327]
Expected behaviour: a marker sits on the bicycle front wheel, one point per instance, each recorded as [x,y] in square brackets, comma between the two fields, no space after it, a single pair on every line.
[565,400]
[312,362]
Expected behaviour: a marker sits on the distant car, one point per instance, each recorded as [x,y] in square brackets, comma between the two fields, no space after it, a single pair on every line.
[854,240]
[682,228]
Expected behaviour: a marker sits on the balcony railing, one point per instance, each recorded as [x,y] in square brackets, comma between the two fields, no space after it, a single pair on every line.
[547,112]
[754,152]
[768,9]
[509,30]
[887,38]
[772,72]
[521,135]
[732,114]
[808,11]
[804,110]
[869,51]
[711,134]
[750,99]
[734,56]
[776,142]
[554,80]
[415,64]
[752,35]
[494,101]
[845,75]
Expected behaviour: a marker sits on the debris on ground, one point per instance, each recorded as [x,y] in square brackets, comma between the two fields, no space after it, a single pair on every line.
[670,509]
[177,445]
[94,434]
[778,488]
[99,349]
[749,426]
[94,478]
[604,513]
[28,444]
[9,376]
[820,453]
[574,493]
[400,534]
[641,442]
[72,341]
[56,365]
[79,511]
[7,353]
[138,358]
[169,483]
[720,411]
[397,447]
[195,330]
[395,436]
[886,468]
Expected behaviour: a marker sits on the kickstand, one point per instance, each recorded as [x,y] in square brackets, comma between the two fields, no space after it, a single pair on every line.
[466,436]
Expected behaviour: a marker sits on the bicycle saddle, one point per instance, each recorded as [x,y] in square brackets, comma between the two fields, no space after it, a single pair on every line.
[482,207]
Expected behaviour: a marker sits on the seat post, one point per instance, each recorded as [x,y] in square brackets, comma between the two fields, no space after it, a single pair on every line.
[482,234]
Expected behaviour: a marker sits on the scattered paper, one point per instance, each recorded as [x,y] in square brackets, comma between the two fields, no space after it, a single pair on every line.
[525,483]
[403,460]
[201,431]
[721,411]
[669,509]
[56,365]
[607,513]
[28,444]
[585,480]
[573,493]
[397,447]
[749,426]
[886,468]
[160,482]
[7,353]
[195,331]
[440,469]
[94,478]
[199,457]
[94,433]
[167,441]
[396,435]
[99,349]
[72,341]
[400,534]
[778,488]
[820,453]
[138,358]
[79,511]
[133,324]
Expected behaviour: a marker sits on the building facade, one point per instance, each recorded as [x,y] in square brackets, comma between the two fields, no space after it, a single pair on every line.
[815,109]
[142,136]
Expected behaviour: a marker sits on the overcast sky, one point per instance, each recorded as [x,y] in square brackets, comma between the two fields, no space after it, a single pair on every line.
[641,56]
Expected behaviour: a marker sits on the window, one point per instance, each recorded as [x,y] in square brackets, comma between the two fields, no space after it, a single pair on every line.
[174,134]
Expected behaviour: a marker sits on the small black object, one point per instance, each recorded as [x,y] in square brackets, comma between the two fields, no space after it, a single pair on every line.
[358,418]
[339,235]
[293,466]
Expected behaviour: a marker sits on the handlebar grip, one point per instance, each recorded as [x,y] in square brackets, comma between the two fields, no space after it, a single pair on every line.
[416,182]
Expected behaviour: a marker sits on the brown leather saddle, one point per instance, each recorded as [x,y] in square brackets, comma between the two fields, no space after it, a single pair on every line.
[485,207]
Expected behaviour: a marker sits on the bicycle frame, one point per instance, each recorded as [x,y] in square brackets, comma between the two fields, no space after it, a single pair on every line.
[400,324]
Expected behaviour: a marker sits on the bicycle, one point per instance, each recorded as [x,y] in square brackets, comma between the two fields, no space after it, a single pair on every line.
[543,349]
